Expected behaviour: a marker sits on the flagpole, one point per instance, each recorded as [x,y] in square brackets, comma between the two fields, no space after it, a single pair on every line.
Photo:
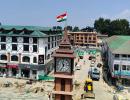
[66,23]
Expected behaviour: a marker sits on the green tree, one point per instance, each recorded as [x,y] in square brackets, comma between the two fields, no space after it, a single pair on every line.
[69,28]
[76,29]
[115,27]
[59,27]
[119,27]
[102,25]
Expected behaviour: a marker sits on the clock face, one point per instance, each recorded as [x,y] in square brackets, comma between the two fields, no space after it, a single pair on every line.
[63,65]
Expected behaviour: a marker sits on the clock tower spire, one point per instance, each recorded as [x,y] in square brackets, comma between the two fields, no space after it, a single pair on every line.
[63,69]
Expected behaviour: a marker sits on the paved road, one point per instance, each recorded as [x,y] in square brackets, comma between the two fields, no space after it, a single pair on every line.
[100,88]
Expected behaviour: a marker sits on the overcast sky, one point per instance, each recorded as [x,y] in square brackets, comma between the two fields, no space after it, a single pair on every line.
[43,12]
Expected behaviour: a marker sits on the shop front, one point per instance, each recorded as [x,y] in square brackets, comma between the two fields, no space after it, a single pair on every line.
[29,70]
[3,68]
[12,70]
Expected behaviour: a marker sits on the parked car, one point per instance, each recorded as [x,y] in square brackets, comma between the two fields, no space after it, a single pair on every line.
[94,73]
[78,67]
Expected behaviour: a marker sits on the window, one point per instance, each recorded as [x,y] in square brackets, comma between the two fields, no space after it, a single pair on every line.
[3,46]
[116,67]
[128,67]
[52,38]
[55,44]
[26,59]
[52,45]
[48,39]
[63,85]
[94,38]
[14,47]
[124,56]
[77,38]
[14,58]
[3,39]
[81,37]
[14,39]
[35,60]
[116,55]
[48,46]
[26,47]
[3,57]
[34,48]
[48,56]
[123,67]
[89,38]
[26,40]
[35,40]
[41,59]
[128,56]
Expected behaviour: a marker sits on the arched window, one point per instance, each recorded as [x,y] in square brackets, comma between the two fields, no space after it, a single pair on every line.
[14,58]
[26,59]
[3,57]
[35,60]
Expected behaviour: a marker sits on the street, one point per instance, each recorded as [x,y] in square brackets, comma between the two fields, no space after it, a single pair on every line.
[101,89]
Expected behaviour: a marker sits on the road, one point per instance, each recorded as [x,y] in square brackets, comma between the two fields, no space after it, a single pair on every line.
[100,87]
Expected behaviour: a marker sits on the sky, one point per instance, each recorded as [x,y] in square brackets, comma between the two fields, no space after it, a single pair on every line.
[81,13]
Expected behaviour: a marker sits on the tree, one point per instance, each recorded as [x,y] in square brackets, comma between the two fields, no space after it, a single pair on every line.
[59,27]
[87,29]
[76,29]
[69,28]
[102,25]
[119,27]
[115,27]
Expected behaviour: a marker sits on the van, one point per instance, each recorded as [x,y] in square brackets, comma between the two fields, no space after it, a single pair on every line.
[95,73]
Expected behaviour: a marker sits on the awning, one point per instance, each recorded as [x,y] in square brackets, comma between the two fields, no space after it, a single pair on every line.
[30,66]
[12,66]
[3,65]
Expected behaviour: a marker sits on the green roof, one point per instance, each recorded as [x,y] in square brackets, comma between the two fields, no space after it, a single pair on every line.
[33,31]
[119,44]
[32,28]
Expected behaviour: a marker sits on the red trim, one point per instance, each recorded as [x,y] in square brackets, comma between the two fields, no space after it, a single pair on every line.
[12,66]
[62,15]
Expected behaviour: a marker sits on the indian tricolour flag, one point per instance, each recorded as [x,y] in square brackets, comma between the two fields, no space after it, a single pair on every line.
[62,17]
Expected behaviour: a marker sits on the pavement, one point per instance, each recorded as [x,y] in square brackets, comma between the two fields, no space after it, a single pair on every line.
[101,89]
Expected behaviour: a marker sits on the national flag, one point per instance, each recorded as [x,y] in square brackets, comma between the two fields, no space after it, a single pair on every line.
[62,17]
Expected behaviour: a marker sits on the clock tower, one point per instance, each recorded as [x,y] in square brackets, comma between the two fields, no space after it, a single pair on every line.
[63,69]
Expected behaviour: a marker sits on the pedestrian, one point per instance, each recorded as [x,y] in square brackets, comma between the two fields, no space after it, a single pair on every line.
[4,75]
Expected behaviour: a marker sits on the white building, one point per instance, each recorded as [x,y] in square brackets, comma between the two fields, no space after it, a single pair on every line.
[117,52]
[26,50]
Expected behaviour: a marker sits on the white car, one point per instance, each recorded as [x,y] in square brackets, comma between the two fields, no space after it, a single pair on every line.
[78,67]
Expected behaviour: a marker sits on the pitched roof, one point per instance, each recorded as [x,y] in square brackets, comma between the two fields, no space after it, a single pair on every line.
[31,28]
[119,44]
[30,31]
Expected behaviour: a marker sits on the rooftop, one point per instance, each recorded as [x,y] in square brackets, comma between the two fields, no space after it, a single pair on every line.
[31,31]
[119,44]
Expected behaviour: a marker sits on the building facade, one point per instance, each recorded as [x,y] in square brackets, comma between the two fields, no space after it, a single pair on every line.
[26,50]
[83,38]
[117,52]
